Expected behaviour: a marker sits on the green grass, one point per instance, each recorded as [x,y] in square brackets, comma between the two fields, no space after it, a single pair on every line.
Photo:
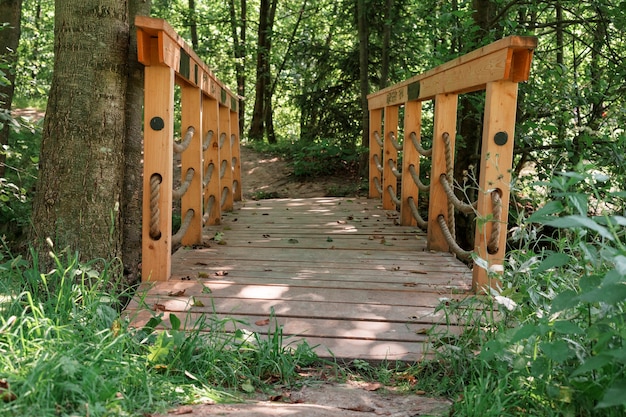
[65,350]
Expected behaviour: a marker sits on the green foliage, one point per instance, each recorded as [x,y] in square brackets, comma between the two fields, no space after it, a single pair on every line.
[22,160]
[65,349]
[556,343]
[323,157]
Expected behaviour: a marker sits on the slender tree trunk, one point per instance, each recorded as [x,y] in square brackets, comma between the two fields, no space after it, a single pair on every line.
[267,13]
[363,31]
[239,47]
[133,153]
[79,189]
[389,19]
[10,13]
[193,24]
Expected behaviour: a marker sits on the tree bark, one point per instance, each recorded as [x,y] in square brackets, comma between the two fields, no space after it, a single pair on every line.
[389,19]
[267,13]
[79,189]
[193,24]
[133,153]
[239,48]
[11,12]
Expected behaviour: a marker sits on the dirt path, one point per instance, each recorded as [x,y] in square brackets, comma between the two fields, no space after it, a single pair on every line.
[265,176]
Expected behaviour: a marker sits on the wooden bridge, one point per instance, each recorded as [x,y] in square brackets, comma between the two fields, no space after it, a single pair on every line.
[354,277]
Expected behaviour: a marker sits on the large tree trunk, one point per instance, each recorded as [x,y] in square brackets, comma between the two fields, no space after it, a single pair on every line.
[133,153]
[79,190]
[10,13]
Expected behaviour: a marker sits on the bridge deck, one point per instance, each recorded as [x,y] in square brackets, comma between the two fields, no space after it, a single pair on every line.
[334,271]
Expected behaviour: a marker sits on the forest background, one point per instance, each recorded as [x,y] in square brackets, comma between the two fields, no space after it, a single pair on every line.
[304,69]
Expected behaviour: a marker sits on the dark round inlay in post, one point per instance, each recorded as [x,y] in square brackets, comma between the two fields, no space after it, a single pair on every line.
[501,138]
[156,123]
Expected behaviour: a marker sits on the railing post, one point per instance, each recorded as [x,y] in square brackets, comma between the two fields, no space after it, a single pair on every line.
[158,171]
[376,153]
[226,171]
[410,156]
[390,157]
[210,122]
[495,177]
[444,122]
[191,101]
[236,152]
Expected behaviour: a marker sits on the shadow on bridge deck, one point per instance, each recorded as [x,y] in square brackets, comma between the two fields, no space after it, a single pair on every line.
[336,272]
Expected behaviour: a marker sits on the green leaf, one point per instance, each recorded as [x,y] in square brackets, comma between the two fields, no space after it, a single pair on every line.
[563,301]
[554,260]
[558,351]
[546,212]
[615,395]
[580,221]
[175,322]
[247,387]
[566,327]
[579,201]
[524,332]
[592,364]
[610,294]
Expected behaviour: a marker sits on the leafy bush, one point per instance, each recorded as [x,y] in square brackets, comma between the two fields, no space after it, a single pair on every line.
[323,157]
[556,346]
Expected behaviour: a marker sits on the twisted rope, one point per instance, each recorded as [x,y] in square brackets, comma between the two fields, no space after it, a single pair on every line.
[420,185]
[184,226]
[496,200]
[235,186]
[423,224]
[393,196]
[394,142]
[155,212]
[208,209]
[207,140]
[458,204]
[379,187]
[450,175]
[232,140]
[184,144]
[208,175]
[394,169]
[184,186]
[379,166]
[418,146]
[454,247]
[378,139]
[222,139]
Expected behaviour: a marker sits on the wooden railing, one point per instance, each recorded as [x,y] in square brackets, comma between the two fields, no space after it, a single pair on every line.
[209,148]
[496,68]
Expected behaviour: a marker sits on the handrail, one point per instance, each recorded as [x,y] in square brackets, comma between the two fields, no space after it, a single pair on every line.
[209,111]
[496,68]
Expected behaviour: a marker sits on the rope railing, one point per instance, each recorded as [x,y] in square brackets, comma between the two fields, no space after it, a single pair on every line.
[184,186]
[495,69]
[418,146]
[394,142]
[209,114]
[184,144]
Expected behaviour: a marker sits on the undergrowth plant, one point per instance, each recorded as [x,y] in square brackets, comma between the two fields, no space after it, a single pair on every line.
[555,345]
[65,349]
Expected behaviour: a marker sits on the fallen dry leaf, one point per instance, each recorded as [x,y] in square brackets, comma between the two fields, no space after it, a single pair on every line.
[409,284]
[176,293]
[221,273]
[5,392]
[182,410]
[373,386]
[263,322]
[159,307]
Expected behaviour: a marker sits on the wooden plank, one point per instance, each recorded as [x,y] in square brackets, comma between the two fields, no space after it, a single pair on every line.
[226,180]
[191,112]
[236,155]
[376,128]
[390,157]
[410,157]
[158,155]
[495,176]
[445,122]
[506,59]
[211,126]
